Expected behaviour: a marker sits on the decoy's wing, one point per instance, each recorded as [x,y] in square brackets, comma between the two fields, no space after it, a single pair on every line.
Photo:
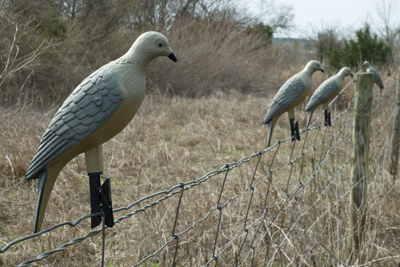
[287,94]
[89,106]
[377,77]
[325,90]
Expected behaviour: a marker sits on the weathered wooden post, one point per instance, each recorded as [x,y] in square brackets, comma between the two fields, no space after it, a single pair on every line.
[360,155]
[395,139]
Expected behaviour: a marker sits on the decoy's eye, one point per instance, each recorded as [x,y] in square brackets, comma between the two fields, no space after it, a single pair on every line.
[159,44]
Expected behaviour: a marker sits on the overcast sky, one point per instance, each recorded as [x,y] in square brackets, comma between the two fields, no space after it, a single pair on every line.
[346,13]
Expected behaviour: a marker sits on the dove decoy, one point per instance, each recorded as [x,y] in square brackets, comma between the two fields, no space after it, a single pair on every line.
[98,109]
[377,77]
[326,92]
[289,96]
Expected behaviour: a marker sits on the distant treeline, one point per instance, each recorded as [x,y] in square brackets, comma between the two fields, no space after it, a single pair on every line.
[49,46]
[352,52]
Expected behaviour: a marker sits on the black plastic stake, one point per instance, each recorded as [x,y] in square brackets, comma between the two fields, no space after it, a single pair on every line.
[294,130]
[94,181]
[100,200]
[327,118]
[106,204]
[297,130]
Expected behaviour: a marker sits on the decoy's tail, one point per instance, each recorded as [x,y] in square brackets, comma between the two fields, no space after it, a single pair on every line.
[45,186]
[270,130]
[310,113]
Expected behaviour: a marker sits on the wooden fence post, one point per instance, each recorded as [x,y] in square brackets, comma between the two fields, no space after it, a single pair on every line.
[395,139]
[359,160]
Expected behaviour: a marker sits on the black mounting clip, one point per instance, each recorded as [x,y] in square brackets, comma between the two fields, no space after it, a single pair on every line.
[327,118]
[294,129]
[100,200]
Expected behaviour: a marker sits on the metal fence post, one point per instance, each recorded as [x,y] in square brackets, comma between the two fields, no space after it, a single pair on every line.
[395,139]
[359,160]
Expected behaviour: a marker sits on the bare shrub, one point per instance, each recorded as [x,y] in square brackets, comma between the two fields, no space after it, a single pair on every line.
[74,38]
[326,39]
[212,58]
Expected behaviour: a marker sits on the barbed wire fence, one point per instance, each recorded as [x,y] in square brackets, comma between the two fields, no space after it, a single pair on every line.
[282,206]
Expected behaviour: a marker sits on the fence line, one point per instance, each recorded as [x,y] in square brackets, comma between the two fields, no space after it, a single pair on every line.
[293,197]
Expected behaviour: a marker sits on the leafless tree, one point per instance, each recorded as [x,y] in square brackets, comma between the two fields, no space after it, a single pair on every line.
[278,16]
[327,38]
[388,26]
[324,36]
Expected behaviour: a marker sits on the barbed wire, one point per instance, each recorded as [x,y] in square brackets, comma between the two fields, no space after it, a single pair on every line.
[320,196]
[302,188]
[328,146]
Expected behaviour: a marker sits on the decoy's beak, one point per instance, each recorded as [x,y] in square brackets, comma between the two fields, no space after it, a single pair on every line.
[351,74]
[322,70]
[173,57]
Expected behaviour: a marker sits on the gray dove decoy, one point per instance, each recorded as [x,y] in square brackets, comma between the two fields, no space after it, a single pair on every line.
[290,95]
[98,109]
[326,92]
[377,77]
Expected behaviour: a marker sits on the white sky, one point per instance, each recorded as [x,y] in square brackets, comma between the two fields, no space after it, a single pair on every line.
[346,13]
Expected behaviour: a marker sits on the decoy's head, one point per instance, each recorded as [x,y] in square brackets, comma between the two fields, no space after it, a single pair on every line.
[345,71]
[148,46]
[313,66]
[366,64]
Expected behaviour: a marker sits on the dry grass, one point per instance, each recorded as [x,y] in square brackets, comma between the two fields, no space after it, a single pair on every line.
[179,139]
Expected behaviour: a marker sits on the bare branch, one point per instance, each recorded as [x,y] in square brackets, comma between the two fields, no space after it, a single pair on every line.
[387,11]
[10,52]
[278,16]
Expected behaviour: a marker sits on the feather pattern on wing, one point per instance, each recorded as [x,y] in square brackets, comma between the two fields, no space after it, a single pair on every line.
[325,90]
[89,106]
[377,77]
[286,95]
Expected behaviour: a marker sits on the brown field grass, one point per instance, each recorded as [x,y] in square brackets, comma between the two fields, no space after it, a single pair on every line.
[175,139]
